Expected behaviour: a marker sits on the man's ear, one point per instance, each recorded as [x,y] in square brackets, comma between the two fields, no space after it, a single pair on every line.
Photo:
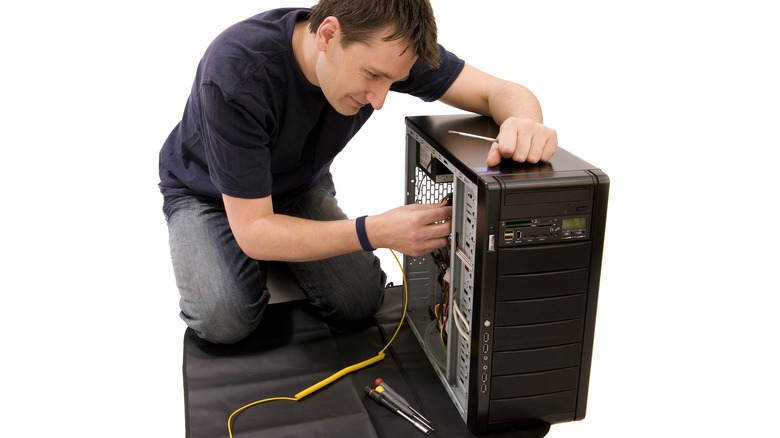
[328,33]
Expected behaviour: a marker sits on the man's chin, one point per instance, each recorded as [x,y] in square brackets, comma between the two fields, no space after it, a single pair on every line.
[346,110]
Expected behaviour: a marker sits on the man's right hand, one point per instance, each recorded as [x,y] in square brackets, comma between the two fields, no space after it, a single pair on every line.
[414,229]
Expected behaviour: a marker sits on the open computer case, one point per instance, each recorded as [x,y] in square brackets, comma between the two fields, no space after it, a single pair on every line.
[506,312]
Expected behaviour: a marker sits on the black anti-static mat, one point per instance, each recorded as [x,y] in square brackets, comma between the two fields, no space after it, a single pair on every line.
[292,350]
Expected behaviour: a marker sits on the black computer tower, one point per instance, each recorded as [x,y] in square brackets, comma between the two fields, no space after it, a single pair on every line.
[506,312]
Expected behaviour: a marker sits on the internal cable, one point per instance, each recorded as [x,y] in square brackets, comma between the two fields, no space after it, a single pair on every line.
[319,385]
[460,319]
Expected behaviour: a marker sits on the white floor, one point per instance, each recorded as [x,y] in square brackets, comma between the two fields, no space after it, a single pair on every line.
[677,101]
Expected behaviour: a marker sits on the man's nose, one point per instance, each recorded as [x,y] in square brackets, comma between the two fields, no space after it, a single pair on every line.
[377,94]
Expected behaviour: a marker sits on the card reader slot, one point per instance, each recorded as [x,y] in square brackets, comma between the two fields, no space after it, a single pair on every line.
[524,223]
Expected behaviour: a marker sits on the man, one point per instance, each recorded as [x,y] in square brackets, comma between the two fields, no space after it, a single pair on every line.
[245,174]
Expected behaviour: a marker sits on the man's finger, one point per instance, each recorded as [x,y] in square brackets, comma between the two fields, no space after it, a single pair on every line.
[493,156]
[431,213]
[523,148]
[550,145]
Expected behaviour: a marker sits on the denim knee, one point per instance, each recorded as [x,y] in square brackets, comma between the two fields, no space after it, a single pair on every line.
[222,323]
[217,334]
[362,312]
[358,303]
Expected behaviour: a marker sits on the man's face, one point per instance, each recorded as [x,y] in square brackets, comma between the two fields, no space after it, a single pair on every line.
[361,74]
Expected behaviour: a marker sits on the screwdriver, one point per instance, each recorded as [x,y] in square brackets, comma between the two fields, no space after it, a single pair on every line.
[402,406]
[379,398]
[400,401]
[466,134]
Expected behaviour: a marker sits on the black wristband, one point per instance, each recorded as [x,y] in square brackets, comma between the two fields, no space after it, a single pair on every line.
[360,226]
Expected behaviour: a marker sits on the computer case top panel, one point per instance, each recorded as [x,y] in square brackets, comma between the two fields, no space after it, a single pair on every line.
[469,154]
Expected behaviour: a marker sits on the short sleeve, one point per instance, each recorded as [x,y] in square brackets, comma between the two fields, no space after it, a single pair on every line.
[431,84]
[236,144]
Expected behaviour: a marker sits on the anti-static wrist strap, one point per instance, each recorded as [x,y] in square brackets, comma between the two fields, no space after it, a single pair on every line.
[360,226]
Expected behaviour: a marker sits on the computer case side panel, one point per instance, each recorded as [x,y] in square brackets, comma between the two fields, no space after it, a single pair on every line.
[599,220]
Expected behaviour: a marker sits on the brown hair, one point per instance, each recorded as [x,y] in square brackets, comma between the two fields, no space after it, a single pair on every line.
[412,21]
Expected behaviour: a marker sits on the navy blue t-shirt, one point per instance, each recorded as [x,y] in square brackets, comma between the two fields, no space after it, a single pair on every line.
[253,126]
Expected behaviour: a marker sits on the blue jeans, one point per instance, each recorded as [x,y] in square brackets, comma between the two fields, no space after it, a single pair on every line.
[223,293]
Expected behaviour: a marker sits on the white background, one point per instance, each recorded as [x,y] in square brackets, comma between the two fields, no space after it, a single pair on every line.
[677,101]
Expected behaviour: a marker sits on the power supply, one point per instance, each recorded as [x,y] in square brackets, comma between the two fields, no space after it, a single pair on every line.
[506,312]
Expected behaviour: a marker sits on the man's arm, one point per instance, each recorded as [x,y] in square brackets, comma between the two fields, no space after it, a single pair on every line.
[263,235]
[523,136]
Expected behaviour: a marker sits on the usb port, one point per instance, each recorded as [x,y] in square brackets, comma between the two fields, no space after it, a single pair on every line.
[509,234]
[485,348]
[484,377]
[486,337]
[483,388]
